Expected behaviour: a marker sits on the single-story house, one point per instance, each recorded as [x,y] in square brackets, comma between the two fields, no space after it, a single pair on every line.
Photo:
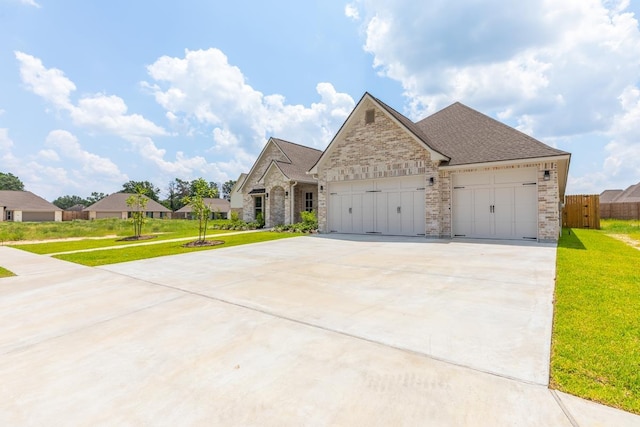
[115,206]
[278,187]
[235,196]
[22,206]
[220,209]
[456,173]
[621,204]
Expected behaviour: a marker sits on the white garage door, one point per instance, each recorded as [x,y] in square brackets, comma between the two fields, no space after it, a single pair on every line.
[392,206]
[500,205]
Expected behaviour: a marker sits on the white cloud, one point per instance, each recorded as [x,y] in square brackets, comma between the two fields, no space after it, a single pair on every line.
[552,69]
[48,155]
[30,3]
[351,11]
[204,89]
[51,84]
[91,166]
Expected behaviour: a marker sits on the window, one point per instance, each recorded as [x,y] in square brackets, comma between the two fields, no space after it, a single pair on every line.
[149,214]
[308,202]
[257,205]
[9,215]
[369,116]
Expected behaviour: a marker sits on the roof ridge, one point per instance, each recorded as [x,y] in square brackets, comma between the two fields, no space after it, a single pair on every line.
[293,143]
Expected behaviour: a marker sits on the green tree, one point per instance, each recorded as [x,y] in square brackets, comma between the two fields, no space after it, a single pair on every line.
[138,204]
[95,197]
[177,190]
[226,189]
[147,188]
[65,202]
[200,190]
[9,181]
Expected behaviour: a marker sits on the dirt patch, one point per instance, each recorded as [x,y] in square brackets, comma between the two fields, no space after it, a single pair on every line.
[202,243]
[136,238]
[628,240]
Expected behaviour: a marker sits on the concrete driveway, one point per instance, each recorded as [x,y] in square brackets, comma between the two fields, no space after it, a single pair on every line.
[314,330]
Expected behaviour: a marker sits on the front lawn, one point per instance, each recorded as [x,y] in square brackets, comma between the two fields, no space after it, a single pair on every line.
[596,334]
[112,256]
[5,273]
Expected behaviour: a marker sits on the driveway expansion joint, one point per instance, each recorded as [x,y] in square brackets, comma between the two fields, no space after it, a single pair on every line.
[564,409]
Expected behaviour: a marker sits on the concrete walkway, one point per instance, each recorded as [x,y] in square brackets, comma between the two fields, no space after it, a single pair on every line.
[302,331]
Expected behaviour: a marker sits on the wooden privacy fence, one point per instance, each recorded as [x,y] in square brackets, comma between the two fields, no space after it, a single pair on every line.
[622,210]
[71,215]
[581,211]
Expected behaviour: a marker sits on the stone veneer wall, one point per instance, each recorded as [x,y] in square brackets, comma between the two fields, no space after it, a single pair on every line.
[299,203]
[273,180]
[381,149]
[271,152]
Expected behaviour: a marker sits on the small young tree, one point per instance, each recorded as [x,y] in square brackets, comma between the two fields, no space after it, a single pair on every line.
[200,190]
[138,203]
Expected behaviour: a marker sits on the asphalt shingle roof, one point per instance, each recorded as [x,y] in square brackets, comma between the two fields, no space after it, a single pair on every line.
[25,201]
[117,202]
[301,159]
[467,136]
[630,195]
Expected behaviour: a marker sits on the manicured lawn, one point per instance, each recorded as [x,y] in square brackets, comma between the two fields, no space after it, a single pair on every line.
[112,256]
[15,231]
[5,273]
[57,246]
[596,336]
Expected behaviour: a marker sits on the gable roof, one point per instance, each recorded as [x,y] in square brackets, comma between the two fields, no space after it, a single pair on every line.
[467,136]
[221,205]
[117,202]
[25,201]
[608,196]
[298,160]
[630,195]
[395,116]
[236,187]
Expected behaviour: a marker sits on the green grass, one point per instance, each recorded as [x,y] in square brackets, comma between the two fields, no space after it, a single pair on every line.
[596,337]
[112,256]
[56,246]
[617,226]
[16,231]
[5,273]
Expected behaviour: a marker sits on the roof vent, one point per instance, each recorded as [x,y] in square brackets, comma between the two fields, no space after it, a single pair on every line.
[369,116]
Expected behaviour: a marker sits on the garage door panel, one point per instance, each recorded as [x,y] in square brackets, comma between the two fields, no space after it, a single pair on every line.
[462,212]
[392,206]
[501,205]
[503,210]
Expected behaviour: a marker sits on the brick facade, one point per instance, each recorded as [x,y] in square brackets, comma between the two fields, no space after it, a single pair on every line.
[283,198]
[384,149]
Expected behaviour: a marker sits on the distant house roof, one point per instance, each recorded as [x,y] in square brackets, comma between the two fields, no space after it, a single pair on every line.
[219,205]
[467,136]
[76,208]
[630,195]
[117,202]
[25,201]
[608,196]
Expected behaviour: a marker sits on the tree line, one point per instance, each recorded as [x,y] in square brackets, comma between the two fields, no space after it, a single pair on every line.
[177,194]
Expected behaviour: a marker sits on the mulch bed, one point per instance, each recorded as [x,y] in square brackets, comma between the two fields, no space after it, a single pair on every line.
[202,243]
[136,238]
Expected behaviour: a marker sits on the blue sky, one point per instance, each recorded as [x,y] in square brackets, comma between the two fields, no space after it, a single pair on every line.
[93,94]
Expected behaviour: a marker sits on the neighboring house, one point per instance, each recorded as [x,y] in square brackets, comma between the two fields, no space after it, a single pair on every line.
[115,206]
[235,197]
[278,186]
[621,204]
[22,206]
[220,209]
[456,173]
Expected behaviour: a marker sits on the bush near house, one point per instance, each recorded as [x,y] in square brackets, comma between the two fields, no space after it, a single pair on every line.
[309,224]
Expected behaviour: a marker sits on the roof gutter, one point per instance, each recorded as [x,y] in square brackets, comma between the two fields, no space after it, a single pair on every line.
[506,162]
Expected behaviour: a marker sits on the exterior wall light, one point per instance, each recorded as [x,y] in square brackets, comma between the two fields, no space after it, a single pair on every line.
[547,175]
[266,195]
[286,194]
[322,188]
[432,181]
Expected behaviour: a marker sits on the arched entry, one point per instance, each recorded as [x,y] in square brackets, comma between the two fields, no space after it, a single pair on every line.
[276,206]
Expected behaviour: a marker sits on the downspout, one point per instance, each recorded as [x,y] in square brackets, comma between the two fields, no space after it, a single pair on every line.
[292,202]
